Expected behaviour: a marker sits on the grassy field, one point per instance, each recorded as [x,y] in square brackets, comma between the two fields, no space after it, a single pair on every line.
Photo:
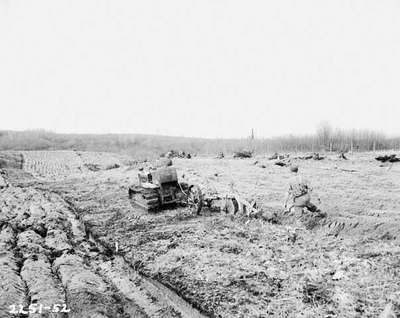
[275,265]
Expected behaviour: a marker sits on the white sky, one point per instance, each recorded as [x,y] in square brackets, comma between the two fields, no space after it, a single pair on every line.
[211,68]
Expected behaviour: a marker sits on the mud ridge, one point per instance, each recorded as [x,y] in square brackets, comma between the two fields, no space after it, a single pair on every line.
[44,264]
[156,299]
[78,273]
[13,289]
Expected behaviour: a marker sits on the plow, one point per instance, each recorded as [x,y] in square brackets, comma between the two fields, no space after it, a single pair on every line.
[230,203]
[160,188]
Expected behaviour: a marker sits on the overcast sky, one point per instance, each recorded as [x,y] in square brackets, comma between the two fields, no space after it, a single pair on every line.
[211,68]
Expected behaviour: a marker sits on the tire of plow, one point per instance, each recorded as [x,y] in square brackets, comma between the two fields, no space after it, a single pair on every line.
[231,206]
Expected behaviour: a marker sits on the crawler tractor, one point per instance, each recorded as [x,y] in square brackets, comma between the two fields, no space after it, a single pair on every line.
[160,187]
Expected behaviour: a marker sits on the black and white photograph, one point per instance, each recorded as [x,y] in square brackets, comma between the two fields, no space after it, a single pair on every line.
[193,159]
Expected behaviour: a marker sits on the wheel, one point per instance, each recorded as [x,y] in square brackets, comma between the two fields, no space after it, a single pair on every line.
[231,206]
[195,199]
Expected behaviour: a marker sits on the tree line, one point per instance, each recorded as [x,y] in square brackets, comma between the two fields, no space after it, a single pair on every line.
[325,139]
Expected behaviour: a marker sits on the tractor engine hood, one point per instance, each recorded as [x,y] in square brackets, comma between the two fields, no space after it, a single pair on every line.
[164,175]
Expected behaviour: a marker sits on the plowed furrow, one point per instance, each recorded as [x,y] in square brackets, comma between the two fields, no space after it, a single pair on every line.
[43,287]
[12,287]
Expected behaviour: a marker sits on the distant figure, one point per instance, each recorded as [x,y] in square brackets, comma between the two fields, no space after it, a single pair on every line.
[298,195]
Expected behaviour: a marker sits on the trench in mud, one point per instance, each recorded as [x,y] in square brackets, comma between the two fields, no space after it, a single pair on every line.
[377,227]
[372,224]
[153,298]
[149,294]
[77,273]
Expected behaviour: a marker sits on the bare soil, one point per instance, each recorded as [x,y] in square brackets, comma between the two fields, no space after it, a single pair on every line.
[71,235]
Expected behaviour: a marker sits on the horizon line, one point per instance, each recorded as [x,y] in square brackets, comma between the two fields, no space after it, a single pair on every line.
[289,135]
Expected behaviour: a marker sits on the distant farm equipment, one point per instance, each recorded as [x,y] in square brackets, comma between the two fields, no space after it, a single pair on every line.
[388,158]
[176,154]
[243,154]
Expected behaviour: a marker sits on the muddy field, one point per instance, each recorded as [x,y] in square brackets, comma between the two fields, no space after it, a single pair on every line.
[70,236]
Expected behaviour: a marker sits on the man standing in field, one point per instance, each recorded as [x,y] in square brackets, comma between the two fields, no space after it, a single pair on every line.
[298,196]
